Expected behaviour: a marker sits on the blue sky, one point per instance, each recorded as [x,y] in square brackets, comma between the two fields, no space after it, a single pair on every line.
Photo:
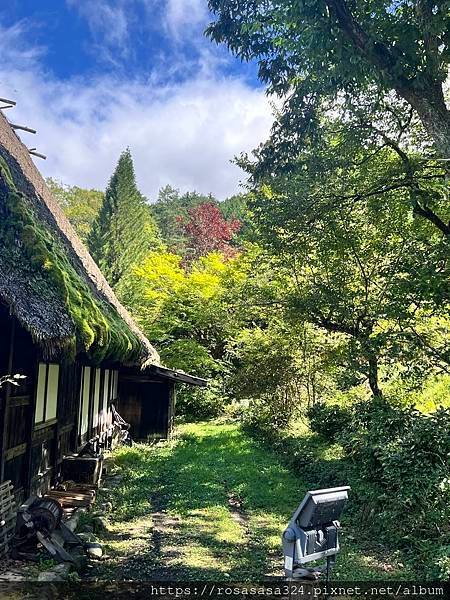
[95,76]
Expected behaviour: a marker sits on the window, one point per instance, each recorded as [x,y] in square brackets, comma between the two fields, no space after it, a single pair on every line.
[47,393]
[106,391]
[85,389]
[96,398]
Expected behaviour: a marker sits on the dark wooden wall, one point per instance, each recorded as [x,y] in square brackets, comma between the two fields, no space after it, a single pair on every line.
[17,404]
[36,435]
[147,405]
[31,453]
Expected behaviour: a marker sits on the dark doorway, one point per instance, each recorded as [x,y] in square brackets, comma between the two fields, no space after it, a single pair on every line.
[145,405]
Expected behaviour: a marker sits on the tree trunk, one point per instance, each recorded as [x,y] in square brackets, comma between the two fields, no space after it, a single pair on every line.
[426,97]
[434,114]
[373,375]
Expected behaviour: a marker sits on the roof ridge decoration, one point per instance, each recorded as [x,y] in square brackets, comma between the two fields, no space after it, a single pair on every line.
[60,267]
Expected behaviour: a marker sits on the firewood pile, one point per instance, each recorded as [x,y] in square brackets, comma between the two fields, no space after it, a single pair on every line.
[73,495]
[7,517]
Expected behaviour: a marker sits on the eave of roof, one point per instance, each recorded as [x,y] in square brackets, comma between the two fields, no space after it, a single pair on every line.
[175,375]
[154,374]
[53,330]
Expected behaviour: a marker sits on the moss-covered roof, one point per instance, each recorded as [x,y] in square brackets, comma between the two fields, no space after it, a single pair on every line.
[47,277]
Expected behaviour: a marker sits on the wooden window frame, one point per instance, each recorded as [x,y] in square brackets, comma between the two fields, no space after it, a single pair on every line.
[47,421]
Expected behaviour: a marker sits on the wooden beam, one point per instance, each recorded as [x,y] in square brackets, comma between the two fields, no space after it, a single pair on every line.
[16,451]
[19,401]
[38,154]
[23,128]
[6,101]
[30,430]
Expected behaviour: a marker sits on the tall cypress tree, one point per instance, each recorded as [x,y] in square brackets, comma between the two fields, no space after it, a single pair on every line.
[124,230]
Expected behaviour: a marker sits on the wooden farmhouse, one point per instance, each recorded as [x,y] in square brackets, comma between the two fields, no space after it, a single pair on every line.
[62,327]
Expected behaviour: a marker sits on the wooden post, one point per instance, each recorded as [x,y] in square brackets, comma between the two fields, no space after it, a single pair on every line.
[4,415]
[57,427]
[171,411]
[30,430]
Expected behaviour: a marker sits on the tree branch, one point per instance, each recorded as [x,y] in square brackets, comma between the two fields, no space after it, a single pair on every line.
[375,52]
[427,213]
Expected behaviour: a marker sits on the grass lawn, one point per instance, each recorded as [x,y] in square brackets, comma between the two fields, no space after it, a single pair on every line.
[210,505]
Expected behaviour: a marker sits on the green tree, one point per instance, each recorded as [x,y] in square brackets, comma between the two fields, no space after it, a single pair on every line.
[319,48]
[171,210]
[81,206]
[341,217]
[236,207]
[296,369]
[184,307]
[189,315]
[124,231]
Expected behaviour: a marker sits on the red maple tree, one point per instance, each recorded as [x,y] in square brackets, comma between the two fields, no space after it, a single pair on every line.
[207,230]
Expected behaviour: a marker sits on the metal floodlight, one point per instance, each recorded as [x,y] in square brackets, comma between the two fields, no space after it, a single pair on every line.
[312,532]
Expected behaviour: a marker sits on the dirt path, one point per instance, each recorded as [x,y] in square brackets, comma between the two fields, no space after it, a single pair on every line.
[209,505]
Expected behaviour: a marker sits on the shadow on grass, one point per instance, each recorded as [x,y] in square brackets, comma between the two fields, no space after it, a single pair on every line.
[176,496]
[192,480]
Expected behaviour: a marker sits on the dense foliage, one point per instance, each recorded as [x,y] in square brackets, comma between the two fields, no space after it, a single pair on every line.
[321,295]
[80,206]
[325,48]
[207,230]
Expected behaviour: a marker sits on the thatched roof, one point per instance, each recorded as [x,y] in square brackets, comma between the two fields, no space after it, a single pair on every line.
[47,277]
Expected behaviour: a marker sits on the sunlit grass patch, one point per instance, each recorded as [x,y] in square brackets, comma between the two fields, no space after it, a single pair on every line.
[213,503]
[216,523]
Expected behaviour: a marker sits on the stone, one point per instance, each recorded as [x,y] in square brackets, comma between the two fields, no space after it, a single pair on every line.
[58,573]
[94,549]
[100,524]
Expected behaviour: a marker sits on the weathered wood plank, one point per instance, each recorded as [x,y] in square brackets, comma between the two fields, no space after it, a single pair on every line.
[16,451]
[19,401]
[7,516]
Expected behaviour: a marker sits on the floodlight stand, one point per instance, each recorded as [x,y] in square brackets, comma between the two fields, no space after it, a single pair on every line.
[313,534]
[330,565]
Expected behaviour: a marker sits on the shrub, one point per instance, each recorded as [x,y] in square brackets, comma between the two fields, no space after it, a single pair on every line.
[328,420]
[197,404]
[396,460]
[403,456]
[270,413]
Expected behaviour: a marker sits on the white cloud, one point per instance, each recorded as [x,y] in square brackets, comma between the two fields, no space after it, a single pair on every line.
[110,21]
[183,134]
[181,15]
[109,24]
[14,46]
